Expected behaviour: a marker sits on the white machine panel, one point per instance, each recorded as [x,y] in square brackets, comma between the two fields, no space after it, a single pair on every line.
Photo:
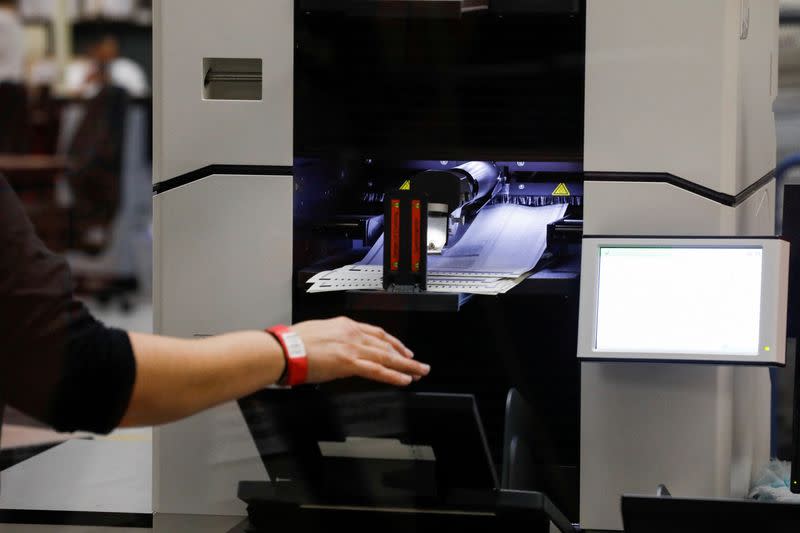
[223,256]
[683,87]
[197,124]
[680,299]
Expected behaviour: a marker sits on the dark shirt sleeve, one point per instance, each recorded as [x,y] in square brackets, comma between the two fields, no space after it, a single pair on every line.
[57,363]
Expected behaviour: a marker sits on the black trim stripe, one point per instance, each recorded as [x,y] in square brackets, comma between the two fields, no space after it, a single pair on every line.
[75,518]
[210,170]
[629,177]
[682,183]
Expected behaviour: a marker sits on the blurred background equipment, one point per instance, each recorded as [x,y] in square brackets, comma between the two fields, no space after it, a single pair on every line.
[75,134]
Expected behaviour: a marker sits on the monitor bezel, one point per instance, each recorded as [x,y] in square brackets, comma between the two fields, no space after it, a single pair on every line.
[774,297]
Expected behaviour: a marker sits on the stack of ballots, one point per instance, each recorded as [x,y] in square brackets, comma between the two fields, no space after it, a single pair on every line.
[496,253]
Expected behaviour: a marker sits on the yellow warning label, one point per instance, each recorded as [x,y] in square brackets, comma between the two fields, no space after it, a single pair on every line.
[562,190]
[406,186]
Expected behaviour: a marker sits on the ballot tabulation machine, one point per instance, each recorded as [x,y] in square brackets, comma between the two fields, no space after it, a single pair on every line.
[590,257]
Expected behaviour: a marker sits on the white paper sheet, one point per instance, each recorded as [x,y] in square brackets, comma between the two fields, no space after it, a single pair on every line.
[494,255]
[503,239]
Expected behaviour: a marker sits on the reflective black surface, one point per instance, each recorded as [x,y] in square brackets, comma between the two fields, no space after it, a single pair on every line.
[486,85]
[326,445]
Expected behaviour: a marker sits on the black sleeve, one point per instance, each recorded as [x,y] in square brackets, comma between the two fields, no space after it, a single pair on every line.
[57,363]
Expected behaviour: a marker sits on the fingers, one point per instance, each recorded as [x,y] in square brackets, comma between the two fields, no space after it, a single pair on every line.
[393,362]
[344,348]
[370,370]
[379,333]
[381,345]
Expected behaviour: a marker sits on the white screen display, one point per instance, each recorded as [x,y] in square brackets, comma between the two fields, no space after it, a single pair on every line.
[684,300]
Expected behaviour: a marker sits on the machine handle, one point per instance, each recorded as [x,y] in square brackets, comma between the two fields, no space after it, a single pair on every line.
[250,77]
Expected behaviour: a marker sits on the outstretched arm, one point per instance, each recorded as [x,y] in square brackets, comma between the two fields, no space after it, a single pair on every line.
[60,365]
[176,378]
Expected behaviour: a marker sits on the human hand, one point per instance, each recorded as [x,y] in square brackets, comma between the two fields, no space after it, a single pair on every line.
[342,348]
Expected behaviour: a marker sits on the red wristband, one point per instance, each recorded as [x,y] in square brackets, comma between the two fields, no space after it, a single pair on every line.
[294,351]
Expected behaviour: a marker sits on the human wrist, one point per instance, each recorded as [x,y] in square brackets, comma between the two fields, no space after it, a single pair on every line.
[273,359]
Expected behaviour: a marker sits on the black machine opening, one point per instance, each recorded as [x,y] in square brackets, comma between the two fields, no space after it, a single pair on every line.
[498,83]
